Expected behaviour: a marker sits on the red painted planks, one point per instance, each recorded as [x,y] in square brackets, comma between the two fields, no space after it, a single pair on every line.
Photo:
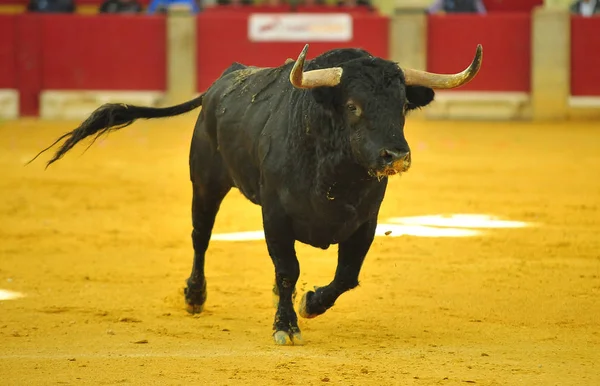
[585,58]
[29,71]
[104,52]
[512,5]
[506,40]
[8,51]
[232,43]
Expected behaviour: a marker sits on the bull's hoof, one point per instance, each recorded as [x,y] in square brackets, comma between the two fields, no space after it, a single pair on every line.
[195,297]
[302,309]
[284,338]
[297,339]
[194,308]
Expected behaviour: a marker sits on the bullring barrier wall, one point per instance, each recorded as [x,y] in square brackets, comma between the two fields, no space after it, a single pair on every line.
[539,65]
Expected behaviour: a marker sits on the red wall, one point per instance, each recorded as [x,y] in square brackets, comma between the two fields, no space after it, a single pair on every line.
[506,40]
[491,5]
[511,5]
[121,52]
[103,52]
[260,8]
[218,47]
[128,52]
[585,56]
[80,52]
[8,57]
[29,56]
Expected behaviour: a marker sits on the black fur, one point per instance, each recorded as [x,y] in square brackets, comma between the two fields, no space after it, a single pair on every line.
[111,117]
[305,156]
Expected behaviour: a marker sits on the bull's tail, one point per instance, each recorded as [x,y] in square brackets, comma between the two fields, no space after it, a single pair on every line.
[115,116]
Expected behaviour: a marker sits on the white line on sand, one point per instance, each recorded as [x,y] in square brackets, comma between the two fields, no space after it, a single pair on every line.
[9,295]
[454,225]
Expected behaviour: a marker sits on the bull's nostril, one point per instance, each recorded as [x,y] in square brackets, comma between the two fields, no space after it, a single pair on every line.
[391,156]
[387,156]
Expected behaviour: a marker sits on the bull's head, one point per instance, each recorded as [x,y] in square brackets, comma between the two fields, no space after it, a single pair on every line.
[371,96]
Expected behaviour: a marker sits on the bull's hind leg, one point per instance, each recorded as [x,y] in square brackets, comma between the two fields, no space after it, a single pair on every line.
[351,255]
[211,183]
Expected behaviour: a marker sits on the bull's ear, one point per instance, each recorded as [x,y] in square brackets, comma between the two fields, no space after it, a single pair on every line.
[418,96]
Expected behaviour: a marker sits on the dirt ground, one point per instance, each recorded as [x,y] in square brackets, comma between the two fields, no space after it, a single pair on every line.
[100,245]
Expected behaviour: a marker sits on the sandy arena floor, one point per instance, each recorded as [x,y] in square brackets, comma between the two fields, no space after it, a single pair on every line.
[100,246]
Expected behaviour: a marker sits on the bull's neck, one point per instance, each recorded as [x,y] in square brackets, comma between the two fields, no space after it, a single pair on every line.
[334,162]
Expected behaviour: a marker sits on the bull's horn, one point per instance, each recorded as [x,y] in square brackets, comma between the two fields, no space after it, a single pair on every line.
[327,77]
[444,81]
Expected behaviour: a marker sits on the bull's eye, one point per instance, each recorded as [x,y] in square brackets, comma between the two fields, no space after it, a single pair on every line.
[354,109]
[406,108]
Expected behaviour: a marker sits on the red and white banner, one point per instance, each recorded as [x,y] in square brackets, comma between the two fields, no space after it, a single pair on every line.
[299,27]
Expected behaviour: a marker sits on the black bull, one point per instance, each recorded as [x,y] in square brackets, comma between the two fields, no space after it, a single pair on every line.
[313,145]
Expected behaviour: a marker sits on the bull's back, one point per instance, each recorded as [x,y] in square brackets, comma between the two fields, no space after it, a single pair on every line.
[238,108]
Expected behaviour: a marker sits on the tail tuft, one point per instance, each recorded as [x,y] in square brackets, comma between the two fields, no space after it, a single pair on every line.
[110,117]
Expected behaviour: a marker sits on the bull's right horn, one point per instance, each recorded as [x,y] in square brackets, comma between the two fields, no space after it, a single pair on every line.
[327,77]
[444,81]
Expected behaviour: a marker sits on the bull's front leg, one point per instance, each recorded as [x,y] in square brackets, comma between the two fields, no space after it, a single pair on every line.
[351,254]
[281,246]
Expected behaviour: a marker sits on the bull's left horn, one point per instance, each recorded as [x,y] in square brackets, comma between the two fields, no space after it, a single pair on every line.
[327,77]
[444,81]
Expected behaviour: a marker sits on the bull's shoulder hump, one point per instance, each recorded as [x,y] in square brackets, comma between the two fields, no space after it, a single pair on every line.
[254,80]
[248,72]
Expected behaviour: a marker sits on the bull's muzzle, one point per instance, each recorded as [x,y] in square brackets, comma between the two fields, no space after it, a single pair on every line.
[394,161]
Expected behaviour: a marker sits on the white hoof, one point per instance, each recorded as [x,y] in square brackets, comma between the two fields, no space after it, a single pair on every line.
[281,338]
[297,339]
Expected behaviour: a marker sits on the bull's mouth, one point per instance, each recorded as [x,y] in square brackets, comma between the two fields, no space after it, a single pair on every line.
[397,168]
